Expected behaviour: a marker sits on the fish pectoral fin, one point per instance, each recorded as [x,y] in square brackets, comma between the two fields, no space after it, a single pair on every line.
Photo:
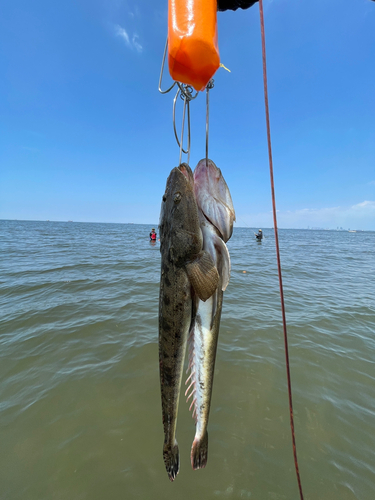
[222,261]
[203,275]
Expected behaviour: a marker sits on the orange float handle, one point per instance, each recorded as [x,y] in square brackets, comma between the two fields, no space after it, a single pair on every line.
[193,54]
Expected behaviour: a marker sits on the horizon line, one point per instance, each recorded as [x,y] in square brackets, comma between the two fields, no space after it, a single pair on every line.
[314,228]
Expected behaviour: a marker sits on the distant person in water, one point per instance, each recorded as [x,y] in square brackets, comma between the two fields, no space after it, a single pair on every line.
[259,235]
[153,235]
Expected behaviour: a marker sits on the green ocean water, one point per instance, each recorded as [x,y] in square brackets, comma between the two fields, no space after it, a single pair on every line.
[80,412]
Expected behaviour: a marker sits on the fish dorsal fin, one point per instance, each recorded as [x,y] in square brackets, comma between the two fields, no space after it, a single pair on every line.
[203,275]
[222,261]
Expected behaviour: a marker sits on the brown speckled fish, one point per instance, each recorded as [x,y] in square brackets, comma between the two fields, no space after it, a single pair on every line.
[186,272]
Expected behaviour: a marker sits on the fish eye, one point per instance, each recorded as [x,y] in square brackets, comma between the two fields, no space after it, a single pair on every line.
[177,197]
[164,197]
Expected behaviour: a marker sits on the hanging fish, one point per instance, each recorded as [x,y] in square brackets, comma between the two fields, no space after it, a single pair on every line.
[186,270]
[216,217]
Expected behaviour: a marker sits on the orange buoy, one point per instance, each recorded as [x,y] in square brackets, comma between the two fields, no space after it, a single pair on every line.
[193,54]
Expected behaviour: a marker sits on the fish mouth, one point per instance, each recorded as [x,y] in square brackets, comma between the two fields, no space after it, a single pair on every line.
[213,197]
[187,172]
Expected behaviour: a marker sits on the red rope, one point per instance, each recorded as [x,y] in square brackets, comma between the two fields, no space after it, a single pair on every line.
[277,247]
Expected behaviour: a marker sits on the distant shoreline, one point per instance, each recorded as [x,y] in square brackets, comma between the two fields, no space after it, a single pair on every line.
[154,224]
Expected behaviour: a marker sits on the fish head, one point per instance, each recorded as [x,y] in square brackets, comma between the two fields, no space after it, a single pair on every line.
[213,197]
[179,221]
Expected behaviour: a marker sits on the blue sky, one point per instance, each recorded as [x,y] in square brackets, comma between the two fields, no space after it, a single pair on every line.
[86,136]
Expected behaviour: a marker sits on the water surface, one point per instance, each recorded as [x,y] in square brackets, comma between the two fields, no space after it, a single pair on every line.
[80,412]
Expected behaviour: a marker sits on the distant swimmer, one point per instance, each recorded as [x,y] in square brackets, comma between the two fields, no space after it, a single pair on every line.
[153,235]
[259,235]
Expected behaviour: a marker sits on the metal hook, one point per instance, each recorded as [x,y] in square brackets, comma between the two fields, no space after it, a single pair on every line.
[210,85]
[185,97]
[182,130]
[162,71]
[187,90]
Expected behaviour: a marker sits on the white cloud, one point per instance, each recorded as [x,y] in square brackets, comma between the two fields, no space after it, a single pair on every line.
[119,31]
[136,45]
[366,206]
[132,42]
[358,216]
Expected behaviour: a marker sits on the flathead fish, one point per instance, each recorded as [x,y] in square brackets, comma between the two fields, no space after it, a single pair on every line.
[216,219]
[187,271]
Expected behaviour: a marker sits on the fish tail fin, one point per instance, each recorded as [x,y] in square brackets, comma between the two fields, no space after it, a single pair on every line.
[171,459]
[199,452]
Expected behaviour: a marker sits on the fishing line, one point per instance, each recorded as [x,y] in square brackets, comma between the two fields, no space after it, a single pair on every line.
[243,221]
[277,245]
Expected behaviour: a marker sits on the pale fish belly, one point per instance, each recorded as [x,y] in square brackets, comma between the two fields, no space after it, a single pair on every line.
[202,344]
[203,341]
